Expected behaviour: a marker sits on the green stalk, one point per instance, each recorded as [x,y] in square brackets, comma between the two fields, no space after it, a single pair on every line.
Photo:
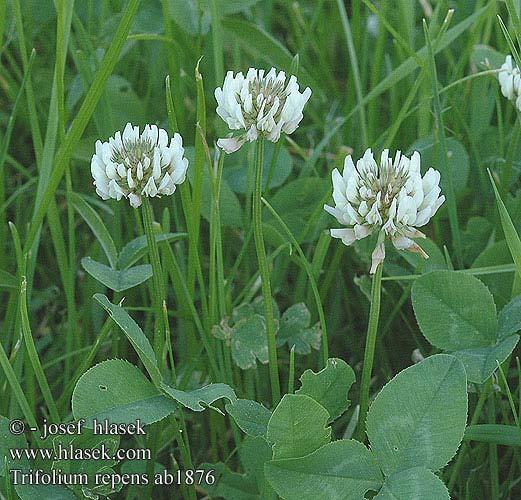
[492,449]
[265,273]
[354,66]
[372,329]
[158,288]
[33,355]
[312,281]
[180,429]
[445,167]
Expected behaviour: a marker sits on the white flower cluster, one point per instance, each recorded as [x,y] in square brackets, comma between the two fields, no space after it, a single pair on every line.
[509,78]
[131,165]
[259,104]
[390,197]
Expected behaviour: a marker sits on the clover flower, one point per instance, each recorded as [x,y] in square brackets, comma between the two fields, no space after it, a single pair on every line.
[131,165]
[259,105]
[390,197]
[509,78]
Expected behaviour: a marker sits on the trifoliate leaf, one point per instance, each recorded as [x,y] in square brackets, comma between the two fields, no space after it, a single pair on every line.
[418,419]
[295,331]
[117,280]
[249,342]
[329,386]
[118,392]
[298,427]
[342,470]
[202,396]
[250,416]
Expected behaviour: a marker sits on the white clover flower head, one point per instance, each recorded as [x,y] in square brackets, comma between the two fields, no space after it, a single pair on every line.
[259,105]
[509,78]
[133,165]
[390,197]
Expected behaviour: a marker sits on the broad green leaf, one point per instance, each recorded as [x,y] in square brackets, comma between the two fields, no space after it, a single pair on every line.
[118,281]
[481,362]
[506,435]
[456,155]
[413,483]
[93,220]
[230,485]
[509,318]
[454,310]
[9,441]
[250,416]
[254,453]
[237,167]
[117,391]
[7,280]
[294,330]
[418,418]
[138,248]
[134,334]
[249,342]
[298,427]
[329,386]
[202,396]
[341,470]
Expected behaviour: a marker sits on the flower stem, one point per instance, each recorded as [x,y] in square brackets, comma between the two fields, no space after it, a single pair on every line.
[372,330]
[264,272]
[158,289]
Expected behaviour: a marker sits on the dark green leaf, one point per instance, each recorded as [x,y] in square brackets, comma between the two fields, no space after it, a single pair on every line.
[330,386]
[294,330]
[134,334]
[117,391]
[250,416]
[118,281]
[418,418]
[341,470]
[203,396]
[413,483]
[298,427]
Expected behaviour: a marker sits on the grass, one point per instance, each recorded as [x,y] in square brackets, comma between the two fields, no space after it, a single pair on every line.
[75,72]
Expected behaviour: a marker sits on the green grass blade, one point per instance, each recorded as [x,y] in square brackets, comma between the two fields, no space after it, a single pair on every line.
[506,435]
[408,66]
[445,167]
[354,66]
[93,220]
[511,236]
[82,118]
[311,277]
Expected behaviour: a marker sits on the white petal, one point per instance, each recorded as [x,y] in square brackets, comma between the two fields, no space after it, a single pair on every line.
[231,144]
